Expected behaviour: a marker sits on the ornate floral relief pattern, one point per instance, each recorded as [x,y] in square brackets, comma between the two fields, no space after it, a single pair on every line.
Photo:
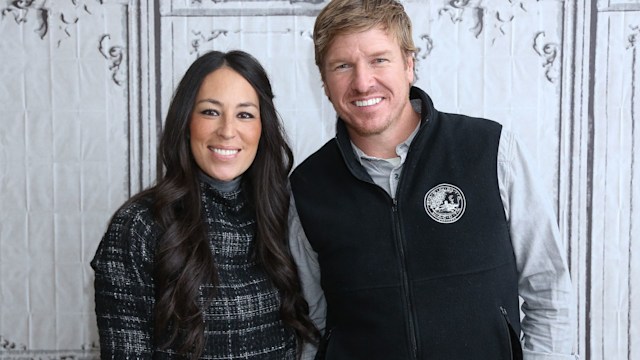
[63,14]
[6,345]
[549,51]
[493,22]
[20,9]
[306,34]
[634,37]
[114,54]
[422,52]
[484,19]
[11,350]
[201,37]
[632,43]
[245,8]
[229,1]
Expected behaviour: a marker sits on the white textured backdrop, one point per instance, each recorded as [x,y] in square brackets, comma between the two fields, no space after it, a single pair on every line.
[84,85]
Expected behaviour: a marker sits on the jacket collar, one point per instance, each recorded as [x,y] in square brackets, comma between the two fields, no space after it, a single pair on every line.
[427,113]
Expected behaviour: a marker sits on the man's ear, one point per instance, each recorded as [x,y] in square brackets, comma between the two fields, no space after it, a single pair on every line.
[411,71]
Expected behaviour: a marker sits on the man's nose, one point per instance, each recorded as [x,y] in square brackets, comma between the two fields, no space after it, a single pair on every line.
[362,78]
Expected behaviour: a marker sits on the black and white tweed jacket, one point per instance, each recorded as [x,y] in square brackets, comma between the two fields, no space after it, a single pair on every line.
[242,319]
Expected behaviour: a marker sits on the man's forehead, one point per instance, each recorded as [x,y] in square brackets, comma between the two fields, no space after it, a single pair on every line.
[369,42]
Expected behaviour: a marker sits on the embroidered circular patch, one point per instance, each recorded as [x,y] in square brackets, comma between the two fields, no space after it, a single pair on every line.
[445,203]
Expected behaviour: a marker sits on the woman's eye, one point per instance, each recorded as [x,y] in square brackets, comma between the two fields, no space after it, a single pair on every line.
[245,115]
[209,112]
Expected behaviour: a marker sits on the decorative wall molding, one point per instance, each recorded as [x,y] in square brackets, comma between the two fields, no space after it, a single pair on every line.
[129,57]
[61,14]
[8,345]
[10,350]
[599,143]
[484,18]
[132,54]
[550,51]
[634,37]
[493,21]
[216,8]
[618,5]
[116,55]
[201,38]
[145,123]
[576,168]
[65,15]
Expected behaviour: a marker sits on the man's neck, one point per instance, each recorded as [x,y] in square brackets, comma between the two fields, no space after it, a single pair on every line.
[384,145]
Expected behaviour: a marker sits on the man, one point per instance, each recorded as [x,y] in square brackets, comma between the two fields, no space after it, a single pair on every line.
[415,231]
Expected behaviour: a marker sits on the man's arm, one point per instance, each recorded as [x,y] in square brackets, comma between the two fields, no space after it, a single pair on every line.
[544,281]
[309,271]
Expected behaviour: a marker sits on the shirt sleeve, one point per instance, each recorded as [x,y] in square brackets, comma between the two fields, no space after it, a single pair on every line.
[544,283]
[124,291]
[306,260]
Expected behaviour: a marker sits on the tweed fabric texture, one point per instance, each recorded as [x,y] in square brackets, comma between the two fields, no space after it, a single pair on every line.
[242,317]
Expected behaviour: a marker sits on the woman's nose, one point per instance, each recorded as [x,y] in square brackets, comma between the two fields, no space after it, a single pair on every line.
[226,129]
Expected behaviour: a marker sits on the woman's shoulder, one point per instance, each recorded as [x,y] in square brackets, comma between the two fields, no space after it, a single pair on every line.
[137,211]
[130,237]
[133,223]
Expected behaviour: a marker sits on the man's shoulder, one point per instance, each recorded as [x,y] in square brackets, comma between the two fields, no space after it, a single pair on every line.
[466,127]
[468,120]
[325,154]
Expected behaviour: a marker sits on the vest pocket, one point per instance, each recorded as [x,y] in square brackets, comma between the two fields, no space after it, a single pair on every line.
[515,348]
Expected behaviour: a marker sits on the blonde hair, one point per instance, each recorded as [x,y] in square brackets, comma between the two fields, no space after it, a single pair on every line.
[341,17]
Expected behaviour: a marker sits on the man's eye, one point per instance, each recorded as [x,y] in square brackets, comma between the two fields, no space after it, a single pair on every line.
[342,66]
[380,60]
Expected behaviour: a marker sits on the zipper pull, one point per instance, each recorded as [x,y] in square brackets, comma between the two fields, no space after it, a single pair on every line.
[505,314]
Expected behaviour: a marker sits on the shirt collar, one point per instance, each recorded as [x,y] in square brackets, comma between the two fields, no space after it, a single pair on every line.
[221,186]
[401,149]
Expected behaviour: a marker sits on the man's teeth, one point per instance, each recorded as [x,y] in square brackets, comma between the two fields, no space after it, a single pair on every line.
[225,152]
[368,102]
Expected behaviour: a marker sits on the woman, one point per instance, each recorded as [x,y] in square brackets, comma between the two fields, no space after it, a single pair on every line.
[198,266]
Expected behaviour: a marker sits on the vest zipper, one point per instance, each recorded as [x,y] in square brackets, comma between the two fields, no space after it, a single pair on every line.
[515,349]
[506,327]
[407,298]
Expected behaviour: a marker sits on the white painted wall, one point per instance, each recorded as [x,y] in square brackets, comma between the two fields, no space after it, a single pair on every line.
[84,85]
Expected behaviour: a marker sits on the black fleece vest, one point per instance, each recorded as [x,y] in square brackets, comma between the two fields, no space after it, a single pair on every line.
[430,275]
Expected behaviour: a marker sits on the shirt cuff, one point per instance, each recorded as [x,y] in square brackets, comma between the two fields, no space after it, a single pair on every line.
[308,351]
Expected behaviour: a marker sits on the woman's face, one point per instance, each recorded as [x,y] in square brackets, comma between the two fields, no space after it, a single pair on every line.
[225,125]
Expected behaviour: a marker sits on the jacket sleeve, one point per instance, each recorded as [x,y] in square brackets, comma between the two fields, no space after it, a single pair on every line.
[544,282]
[124,292]
[306,260]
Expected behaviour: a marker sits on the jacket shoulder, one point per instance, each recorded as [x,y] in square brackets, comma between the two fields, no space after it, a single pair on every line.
[321,157]
[471,122]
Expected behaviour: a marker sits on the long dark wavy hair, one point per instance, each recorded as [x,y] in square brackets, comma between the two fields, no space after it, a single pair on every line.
[184,260]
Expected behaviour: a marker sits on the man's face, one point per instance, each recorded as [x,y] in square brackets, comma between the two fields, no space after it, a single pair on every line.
[367,79]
